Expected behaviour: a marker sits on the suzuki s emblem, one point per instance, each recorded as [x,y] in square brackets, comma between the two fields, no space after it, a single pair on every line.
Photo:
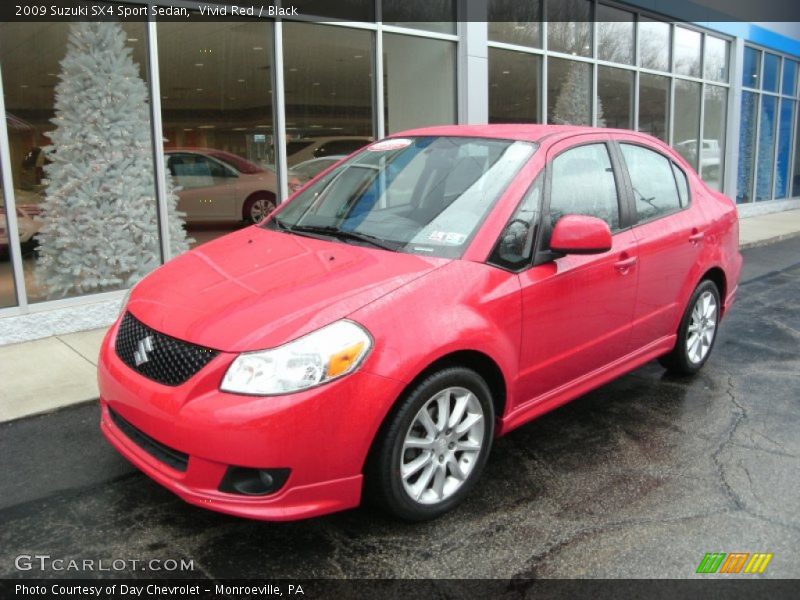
[145,346]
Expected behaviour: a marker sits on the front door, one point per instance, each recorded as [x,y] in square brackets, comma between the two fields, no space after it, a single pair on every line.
[577,309]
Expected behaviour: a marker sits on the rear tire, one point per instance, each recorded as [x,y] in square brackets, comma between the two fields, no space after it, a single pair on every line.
[697,332]
[433,447]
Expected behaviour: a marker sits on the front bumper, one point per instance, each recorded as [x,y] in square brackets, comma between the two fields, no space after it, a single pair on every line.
[322,435]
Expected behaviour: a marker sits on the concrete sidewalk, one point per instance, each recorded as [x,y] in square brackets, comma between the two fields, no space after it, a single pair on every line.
[45,374]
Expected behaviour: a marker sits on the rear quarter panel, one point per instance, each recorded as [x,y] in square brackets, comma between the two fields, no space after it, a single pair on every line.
[722,239]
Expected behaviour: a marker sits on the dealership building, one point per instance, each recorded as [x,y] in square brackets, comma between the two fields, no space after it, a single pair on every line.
[237,108]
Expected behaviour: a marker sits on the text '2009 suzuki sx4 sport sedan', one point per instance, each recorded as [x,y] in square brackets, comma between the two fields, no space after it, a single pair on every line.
[432,291]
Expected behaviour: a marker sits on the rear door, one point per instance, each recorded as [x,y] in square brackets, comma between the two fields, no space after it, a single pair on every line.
[670,234]
[577,309]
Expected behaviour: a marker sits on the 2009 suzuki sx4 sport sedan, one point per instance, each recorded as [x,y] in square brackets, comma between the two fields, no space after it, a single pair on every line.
[432,291]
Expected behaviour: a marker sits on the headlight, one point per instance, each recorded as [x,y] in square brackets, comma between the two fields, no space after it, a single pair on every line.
[125,300]
[316,358]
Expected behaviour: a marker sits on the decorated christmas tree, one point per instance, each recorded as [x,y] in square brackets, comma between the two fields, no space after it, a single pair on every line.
[573,106]
[99,219]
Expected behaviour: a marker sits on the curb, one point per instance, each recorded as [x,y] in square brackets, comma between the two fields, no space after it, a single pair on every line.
[765,242]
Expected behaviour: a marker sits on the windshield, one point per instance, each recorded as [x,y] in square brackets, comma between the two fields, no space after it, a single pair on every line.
[425,195]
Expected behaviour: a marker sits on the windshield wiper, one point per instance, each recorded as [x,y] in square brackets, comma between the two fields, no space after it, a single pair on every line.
[343,235]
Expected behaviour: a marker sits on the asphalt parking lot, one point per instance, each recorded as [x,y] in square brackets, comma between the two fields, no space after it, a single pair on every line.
[637,479]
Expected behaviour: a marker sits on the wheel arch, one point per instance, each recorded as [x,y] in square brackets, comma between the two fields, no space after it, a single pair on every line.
[480,362]
[717,276]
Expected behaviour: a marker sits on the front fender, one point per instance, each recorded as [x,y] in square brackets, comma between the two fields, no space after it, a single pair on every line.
[461,306]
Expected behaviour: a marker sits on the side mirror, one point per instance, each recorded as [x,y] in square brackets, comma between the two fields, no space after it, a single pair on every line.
[580,234]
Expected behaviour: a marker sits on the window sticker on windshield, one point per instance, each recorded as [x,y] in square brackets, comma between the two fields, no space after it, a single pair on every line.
[390,144]
[447,237]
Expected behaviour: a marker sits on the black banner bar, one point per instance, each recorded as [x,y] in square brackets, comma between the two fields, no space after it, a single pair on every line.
[400,11]
[733,587]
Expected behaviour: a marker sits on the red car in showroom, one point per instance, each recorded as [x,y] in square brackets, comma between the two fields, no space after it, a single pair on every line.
[431,292]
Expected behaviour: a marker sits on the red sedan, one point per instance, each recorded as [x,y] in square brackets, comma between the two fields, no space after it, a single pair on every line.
[437,289]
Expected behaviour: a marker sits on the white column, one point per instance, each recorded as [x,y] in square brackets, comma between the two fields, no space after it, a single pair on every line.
[473,63]
[732,125]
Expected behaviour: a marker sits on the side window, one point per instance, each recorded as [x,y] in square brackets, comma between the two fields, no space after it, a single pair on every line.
[515,246]
[214,168]
[683,184]
[583,184]
[654,189]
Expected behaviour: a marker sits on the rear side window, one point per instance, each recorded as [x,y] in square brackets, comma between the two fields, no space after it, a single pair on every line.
[654,188]
[683,185]
[583,184]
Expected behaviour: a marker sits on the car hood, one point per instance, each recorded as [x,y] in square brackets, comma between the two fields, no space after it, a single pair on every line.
[257,289]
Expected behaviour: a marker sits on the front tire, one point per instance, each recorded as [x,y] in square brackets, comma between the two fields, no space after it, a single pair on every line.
[434,446]
[697,332]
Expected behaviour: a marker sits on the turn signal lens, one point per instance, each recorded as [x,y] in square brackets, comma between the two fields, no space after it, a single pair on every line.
[343,360]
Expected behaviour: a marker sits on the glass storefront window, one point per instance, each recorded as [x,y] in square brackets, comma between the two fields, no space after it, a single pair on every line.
[716,61]
[328,75]
[688,44]
[795,187]
[654,105]
[346,10]
[515,22]
[81,155]
[615,35]
[514,86]
[8,290]
[569,92]
[614,97]
[712,151]
[430,15]
[654,44]
[766,147]
[789,77]
[747,146]
[569,27]
[751,69]
[216,107]
[784,148]
[772,63]
[686,128]
[420,82]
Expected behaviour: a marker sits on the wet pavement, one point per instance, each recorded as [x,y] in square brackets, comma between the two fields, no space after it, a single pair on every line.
[637,479]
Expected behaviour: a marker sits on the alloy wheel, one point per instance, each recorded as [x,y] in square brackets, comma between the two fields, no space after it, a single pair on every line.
[260,209]
[702,327]
[442,445]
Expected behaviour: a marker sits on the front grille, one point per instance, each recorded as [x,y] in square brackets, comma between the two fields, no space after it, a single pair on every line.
[161,358]
[169,456]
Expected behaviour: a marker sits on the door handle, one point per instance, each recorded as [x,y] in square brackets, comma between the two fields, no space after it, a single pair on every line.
[625,264]
[696,236]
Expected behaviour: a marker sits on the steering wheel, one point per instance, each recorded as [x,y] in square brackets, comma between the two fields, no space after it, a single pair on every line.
[525,223]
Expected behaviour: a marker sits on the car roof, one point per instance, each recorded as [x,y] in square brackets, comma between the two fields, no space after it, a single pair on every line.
[511,131]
